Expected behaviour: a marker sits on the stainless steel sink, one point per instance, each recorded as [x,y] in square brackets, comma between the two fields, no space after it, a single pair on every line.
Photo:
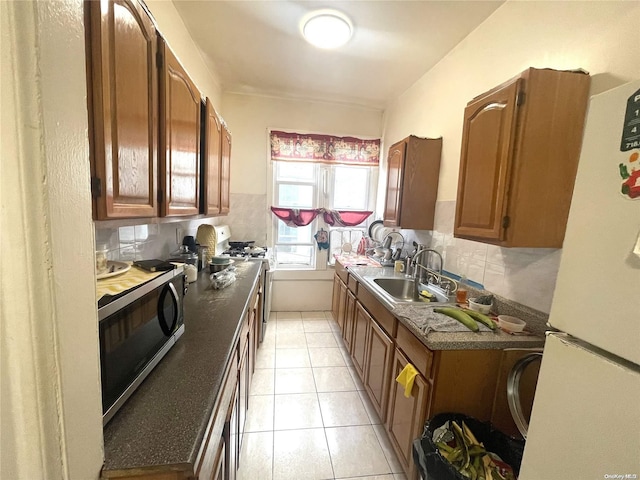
[400,288]
[403,290]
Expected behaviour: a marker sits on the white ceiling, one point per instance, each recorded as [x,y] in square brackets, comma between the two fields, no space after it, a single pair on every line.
[256,46]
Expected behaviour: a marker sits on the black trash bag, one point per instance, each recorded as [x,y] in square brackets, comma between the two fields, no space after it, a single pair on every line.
[433,466]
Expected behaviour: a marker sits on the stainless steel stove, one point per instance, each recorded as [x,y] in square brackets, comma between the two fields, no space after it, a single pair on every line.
[247,250]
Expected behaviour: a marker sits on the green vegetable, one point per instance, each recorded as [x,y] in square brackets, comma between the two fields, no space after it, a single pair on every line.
[482,318]
[460,316]
[484,300]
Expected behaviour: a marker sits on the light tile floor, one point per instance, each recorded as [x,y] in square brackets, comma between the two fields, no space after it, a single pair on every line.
[309,418]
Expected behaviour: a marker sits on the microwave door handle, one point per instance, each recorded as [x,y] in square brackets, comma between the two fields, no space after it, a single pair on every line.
[169,288]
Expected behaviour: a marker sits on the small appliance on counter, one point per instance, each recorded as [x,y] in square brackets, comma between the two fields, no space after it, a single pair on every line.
[136,329]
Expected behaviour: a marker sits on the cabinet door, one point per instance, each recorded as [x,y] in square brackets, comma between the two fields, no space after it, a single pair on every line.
[244,379]
[394,184]
[335,299]
[123,103]
[377,372]
[406,416]
[485,162]
[347,330]
[212,161]
[360,327]
[179,138]
[342,304]
[225,171]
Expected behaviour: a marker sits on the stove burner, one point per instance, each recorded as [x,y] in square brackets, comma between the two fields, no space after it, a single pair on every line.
[241,252]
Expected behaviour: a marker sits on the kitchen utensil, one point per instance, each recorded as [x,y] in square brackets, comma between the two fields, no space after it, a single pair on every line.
[220,260]
[184,255]
[191,272]
[511,324]
[374,227]
[218,267]
[387,242]
[190,242]
[101,259]
[114,268]
[479,307]
[241,244]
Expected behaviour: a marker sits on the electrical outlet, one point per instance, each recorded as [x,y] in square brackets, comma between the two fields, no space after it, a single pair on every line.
[179,235]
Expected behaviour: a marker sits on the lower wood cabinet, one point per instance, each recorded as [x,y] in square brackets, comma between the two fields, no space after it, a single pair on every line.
[361,322]
[377,371]
[347,328]
[335,299]
[406,416]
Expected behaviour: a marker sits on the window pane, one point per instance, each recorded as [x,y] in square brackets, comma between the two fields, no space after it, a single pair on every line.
[294,255]
[288,234]
[297,196]
[296,171]
[351,188]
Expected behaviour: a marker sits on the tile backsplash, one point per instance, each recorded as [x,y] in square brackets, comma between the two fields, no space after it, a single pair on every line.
[524,275]
[247,219]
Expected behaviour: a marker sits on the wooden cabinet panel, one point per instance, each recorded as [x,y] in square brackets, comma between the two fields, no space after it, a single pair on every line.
[123,105]
[377,373]
[335,299]
[212,161]
[413,171]
[383,316]
[394,183]
[501,415]
[406,416]
[465,382]
[342,305]
[520,148]
[487,144]
[421,357]
[347,330]
[360,327]
[225,170]
[179,138]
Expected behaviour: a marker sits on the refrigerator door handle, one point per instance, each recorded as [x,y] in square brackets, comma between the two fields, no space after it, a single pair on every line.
[513,391]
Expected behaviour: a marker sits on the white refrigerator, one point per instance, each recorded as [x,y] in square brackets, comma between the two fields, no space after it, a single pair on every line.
[585,422]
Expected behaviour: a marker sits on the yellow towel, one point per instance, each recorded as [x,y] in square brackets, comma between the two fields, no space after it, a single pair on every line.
[406,377]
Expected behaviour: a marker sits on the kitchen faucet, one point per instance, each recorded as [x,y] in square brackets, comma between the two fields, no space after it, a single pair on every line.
[417,265]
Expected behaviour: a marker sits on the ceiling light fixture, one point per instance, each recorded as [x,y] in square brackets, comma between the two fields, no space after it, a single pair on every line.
[326,29]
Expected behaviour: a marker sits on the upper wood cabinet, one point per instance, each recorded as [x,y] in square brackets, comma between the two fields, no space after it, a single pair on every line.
[225,170]
[123,106]
[413,167]
[212,161]
[520,149]
[179,138]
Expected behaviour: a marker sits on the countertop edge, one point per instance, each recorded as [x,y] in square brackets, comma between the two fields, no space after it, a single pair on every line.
[168,379]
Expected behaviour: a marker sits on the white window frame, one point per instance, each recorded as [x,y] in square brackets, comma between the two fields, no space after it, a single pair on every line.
[323,198]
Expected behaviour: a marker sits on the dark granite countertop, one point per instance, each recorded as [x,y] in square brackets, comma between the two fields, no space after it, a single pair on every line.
[164,421]
[414,317]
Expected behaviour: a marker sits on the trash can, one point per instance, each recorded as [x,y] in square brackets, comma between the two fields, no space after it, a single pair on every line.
[433,466]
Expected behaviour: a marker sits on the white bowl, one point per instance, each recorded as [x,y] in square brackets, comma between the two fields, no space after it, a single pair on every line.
[511,324]
[479,307]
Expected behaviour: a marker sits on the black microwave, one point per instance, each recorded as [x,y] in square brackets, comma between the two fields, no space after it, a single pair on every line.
[137,329]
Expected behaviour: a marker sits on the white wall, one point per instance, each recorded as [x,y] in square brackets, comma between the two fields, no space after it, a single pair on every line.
[51,407]
[173,30]
[600,37]
[249,118]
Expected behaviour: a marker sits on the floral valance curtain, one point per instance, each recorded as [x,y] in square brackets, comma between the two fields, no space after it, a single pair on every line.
[311,147]
[299,217]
